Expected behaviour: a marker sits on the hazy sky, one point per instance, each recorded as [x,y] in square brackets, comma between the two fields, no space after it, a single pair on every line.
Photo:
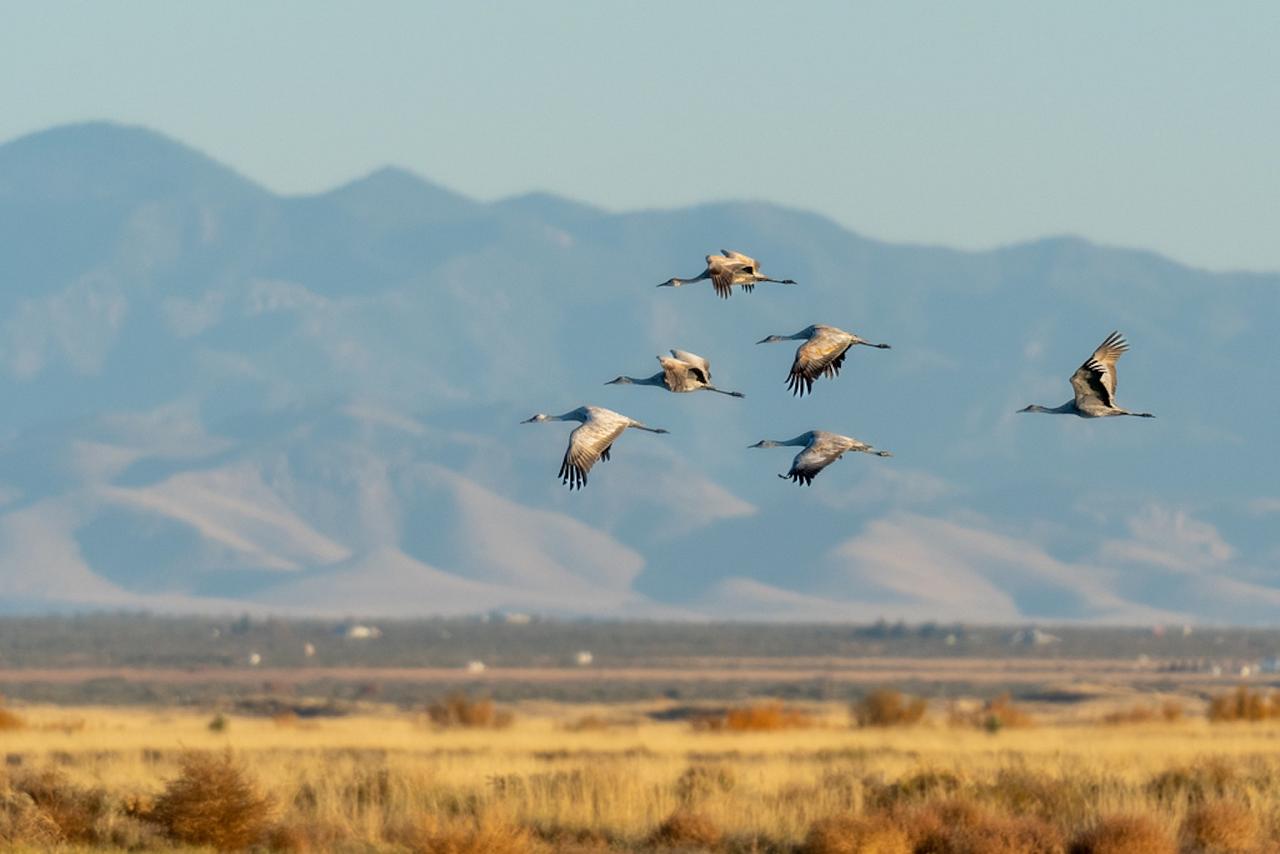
[1152,124]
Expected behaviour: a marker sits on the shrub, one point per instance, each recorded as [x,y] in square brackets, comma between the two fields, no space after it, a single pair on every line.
[212,802]
[853,834]
[1242,705]
[219,723]
[958,826]
[884,707]
[1125,834]
[757,717]
[921,786]
[699,782]
[684,829]
[9,720]
[1207,779]
[72,809]
[471,835]
[22,823]
[1221,827]
[459,710]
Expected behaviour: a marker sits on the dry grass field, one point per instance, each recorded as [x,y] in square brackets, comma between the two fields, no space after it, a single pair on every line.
[1119,775]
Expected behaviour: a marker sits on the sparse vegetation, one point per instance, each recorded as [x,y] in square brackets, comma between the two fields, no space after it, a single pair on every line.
[212,802]
[459,710]
[686,829]
[885,707]
[1243,705]
[768,716]
[378,781]
[10,720]
[1169,711]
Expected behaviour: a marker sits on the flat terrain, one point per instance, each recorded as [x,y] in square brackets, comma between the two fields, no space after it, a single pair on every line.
[607,777]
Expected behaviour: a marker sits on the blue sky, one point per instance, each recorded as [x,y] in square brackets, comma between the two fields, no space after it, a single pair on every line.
[1149,124]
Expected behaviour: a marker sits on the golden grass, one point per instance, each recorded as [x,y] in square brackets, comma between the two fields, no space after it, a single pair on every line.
[380,781]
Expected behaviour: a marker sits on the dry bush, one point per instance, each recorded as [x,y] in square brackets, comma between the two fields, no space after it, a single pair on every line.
[1171,711]
[1220,827]
[993,716]
[459,710]
[74,810]
[927,785]
[699,782]
[286,719]
[22,823]
[1243,705]
[212,802]
[1210,778]
[884,707]
[470,835]
[10,720]
[856,834]
[1140,713]
[588,723]
[686,829]
[1125,834]
[756,717]
[959,826]
[1024,792]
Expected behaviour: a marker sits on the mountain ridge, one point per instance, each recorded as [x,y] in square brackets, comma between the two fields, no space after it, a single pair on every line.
[222,397]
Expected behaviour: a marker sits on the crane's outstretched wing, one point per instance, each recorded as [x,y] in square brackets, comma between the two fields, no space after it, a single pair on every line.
[1094,382]
[697,363]
[821,355]
[588,443]
[807,464]
[679,375]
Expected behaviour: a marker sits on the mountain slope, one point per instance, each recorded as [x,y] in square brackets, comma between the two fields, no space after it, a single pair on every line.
[223,398]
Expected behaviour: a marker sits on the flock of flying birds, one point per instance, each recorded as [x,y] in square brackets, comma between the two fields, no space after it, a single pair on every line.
[822,354]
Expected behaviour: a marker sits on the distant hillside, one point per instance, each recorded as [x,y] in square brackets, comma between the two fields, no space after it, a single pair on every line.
[224,400]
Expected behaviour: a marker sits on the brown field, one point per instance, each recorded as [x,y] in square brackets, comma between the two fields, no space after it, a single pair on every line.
[1113,773]
[855,671]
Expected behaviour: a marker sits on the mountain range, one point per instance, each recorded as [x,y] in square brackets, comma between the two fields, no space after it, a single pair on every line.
[220,399]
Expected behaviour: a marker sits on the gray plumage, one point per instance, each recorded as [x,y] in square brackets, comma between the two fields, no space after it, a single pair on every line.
[681,372]
[821,449]
[726,270]
[591,440]
[1094,385]
[822,354]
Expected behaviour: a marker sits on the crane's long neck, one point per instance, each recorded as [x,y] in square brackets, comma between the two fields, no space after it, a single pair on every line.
[656,379]
[779,443]
[1068,408]
[675,282]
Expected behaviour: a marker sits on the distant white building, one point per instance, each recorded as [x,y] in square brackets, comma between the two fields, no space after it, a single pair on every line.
[309,650]
[583,658]
[359,631]
[254,659]
[475,667]
[517,619]
[1033,637]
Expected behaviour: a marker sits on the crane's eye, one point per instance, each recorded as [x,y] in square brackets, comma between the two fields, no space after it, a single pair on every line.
[750,271]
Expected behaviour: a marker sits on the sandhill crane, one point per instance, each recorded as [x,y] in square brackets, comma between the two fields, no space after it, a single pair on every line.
[822,354]
[680,372]
[1094,384]
[727,269]
[591,440]
[821,449]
